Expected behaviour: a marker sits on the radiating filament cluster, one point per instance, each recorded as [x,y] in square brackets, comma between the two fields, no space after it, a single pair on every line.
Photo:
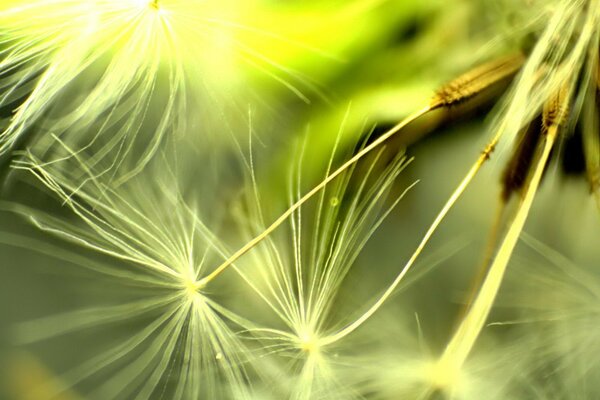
[136,123]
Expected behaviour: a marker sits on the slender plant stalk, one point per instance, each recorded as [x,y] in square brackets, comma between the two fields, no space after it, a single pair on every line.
[485,155]
[465,337]
[459,90]
[256,240]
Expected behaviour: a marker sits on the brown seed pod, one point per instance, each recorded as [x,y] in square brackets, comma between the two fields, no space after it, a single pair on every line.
[516,171]
[556,109]
[477,80]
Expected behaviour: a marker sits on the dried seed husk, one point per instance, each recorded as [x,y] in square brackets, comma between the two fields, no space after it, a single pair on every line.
[556,109]
[516,171]
[477,81]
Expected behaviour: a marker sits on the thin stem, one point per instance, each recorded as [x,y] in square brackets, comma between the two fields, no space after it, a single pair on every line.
[311,193]
[465,337]
[489,250]
[485,155]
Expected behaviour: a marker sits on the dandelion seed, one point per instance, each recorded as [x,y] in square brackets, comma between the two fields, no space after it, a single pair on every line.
[463,88]
[55,45]
[554,116]
[184,341]
[403,364]
[561,56]
[558,308]
[119,77]
[478,80]
[462,342]
[190,339]
[300,277]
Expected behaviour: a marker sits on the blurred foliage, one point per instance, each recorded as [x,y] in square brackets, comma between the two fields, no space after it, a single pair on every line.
[286,91]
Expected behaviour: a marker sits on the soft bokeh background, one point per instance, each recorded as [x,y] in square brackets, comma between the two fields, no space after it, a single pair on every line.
[361,66]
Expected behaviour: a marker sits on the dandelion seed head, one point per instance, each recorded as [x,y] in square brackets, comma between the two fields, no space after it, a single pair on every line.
[309,342]
[154,4]
[299,273]
[126,74]
[192,289]
[443,375]
[559,310]
[158,241]
[566,45]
